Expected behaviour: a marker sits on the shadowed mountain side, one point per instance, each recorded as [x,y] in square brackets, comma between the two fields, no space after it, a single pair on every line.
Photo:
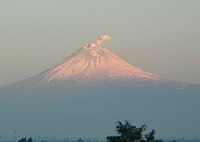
[89,111]
[86,92]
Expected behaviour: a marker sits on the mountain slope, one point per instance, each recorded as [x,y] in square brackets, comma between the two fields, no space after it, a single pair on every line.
[94,62]
[64,101]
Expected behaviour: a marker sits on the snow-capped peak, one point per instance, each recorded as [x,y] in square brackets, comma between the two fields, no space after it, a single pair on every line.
[94,62]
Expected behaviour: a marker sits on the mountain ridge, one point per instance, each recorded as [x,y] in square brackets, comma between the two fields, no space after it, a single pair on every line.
[94,62]
[88,107]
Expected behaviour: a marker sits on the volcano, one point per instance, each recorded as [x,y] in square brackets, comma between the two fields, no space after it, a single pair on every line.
[92,63]
[87,92]
[95,62]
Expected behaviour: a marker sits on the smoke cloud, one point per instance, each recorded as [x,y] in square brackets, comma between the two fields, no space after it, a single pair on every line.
[99,42]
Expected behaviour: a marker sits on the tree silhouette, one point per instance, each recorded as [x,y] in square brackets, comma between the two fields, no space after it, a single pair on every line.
[30,140]
[130,133]
[151,136]
[25,140]
[127,133]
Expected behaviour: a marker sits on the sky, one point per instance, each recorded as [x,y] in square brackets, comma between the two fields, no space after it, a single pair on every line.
[160,36]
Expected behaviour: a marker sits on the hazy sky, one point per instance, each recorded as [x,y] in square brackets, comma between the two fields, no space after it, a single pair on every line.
[160,36]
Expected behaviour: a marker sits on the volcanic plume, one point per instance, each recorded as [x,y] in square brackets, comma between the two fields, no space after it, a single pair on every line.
[94,62]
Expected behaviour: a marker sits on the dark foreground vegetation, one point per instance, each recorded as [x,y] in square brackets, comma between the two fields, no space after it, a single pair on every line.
[130,133]
[125,133]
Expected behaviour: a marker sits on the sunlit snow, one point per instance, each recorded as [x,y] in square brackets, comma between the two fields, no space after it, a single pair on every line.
[93,61]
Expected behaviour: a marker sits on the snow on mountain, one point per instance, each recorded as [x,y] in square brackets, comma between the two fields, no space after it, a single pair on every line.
[58,99]
[94,62]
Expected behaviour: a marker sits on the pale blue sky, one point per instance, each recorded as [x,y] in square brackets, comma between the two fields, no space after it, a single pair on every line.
[160,36]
